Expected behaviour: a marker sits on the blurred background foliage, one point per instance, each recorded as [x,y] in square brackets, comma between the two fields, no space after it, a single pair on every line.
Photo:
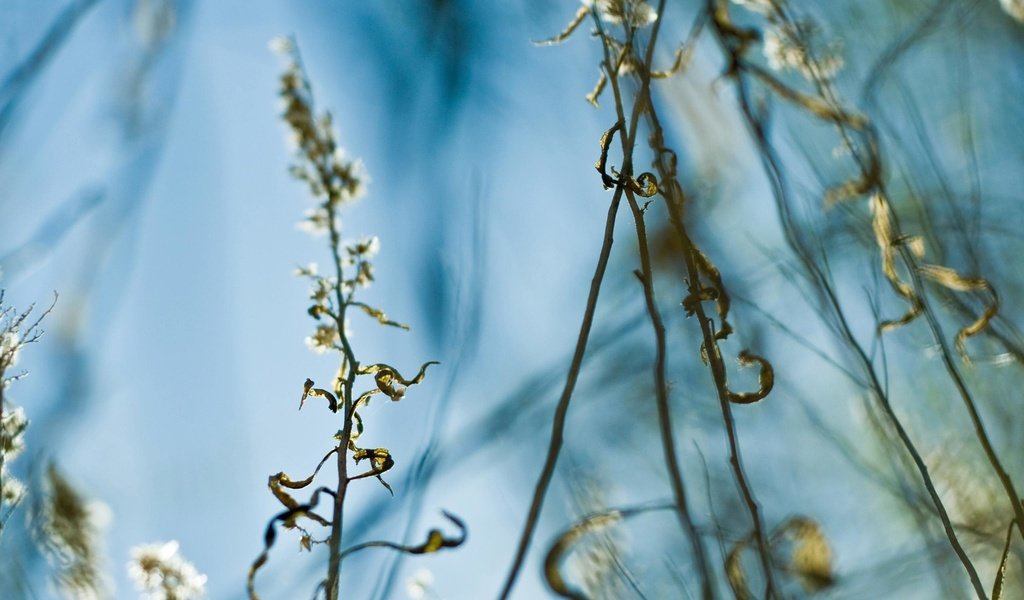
[143,177]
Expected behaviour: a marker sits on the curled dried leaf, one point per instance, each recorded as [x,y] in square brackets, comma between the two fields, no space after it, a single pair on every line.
[765,380]
[734,572]
[555,555]
[952,280]
[697,296]
[645,185]
[581,14]
[380,462]
[602,162]
[288,518]
[435,541]
[308,390]
[868,179]
[563,544]
[708,269]
[278,482]
[812,104]
[391,382]
[810,557]
[381,317]
[595,93]
[882,225]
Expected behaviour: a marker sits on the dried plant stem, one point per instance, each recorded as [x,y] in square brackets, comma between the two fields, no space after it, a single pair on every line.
[332,583]
[646,276]
[671,190]
[734,53]
[562,409]
[825,90]
[969,403]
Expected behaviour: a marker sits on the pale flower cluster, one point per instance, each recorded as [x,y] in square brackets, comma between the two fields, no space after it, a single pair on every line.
[160,573]
[12,442]
[631,13]
[12,436]
[325,168]
[793,46]
[13,426]
[10,344]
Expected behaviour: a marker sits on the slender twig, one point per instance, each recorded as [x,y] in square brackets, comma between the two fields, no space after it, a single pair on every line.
[646,276]
[562,409]
[723,32]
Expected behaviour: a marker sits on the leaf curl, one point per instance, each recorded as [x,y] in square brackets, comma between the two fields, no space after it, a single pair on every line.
[602,162]
[378,314]
[724,302]
[308,390]
[577,20]
[646,185]
[886,239]
[380,463]
[391,382]
[810,557]
[278,482]
[734,572]
[435,541]
[952,280]
[563,544]
[765,380]
[288,518]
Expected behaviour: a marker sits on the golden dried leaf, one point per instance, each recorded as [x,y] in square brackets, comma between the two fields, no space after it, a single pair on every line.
[811,557]
[734,571]
[765,380]
[950,279]
[581,14]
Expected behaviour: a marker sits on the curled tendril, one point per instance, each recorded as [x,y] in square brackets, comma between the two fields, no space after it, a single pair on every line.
[885,237]
[391,382]
[563,544]
[646,185]
[288,518]
[380,463]
[594,94]
[278,482]
[952,280]
[808,559]
[577,20]
[378,314]
[435,540]
[734,572]
[870,177]
[717,292]
[602,162]
[765,380]
[308,390]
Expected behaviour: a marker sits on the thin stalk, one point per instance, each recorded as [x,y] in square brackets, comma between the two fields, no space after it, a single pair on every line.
[776,180]
[646,276]
[672,191]
[332,583]
[968,400]
[562,409]
[827,92]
